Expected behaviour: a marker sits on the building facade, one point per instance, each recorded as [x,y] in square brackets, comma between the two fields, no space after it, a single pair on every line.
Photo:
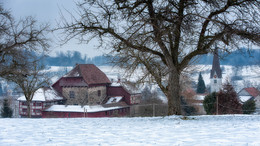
[42,99]
[83,85]
[86,86]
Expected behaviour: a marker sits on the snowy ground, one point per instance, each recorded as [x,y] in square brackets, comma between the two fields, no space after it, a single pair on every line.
[199,130]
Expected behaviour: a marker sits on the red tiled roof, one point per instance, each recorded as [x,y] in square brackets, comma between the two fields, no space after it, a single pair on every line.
[252,91]
[90,73]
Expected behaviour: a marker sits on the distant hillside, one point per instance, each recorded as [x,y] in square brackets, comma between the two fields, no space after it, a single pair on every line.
[70,58]
[237,58]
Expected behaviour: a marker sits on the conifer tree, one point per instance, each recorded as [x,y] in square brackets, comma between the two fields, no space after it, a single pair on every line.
[249,107]
[227,100]
[201,85]
[209,103]
[6,111]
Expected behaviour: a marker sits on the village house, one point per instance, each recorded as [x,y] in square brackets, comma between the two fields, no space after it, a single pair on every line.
[249,94]
[89,93]
[43,98]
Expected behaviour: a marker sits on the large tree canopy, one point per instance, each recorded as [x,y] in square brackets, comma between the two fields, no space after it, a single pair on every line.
[19,38]
[163,36]
[19,41]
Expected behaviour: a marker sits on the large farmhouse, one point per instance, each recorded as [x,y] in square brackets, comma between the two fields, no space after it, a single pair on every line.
[83,85]
[87,92]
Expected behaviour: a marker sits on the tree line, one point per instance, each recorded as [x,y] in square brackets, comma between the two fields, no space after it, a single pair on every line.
[239,57]
[70,58]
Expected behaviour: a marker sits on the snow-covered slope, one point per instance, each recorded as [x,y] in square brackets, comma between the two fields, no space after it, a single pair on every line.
[200,130]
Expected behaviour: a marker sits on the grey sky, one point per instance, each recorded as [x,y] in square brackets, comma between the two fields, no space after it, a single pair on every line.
[49,11]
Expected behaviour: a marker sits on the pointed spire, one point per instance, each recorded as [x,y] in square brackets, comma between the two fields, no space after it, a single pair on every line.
[216,65]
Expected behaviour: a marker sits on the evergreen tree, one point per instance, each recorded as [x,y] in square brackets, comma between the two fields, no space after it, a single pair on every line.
[201,85]
[6,111]
[209,103]
[248,107]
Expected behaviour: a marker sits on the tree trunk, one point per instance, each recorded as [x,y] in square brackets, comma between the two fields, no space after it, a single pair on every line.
[29,109]
[173,95]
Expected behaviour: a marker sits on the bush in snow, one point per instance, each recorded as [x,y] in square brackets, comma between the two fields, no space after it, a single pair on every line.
[209,103]
[249,107]
[187,109]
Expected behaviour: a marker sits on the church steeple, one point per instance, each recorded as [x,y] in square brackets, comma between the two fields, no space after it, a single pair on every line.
[215,73]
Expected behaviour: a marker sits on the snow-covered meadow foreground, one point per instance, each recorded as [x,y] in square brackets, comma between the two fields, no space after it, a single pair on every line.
[198,130]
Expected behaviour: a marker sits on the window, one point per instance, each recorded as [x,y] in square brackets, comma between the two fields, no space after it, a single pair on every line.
[72,94]
[24,110]
[215,81]
[37,104]
[99,92]
[37,111]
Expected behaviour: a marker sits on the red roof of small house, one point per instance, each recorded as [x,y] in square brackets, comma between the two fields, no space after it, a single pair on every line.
[252,91]
[90,73]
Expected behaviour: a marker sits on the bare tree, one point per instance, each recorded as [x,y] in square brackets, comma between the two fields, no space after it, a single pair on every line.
[163,37]
[29,80]
[18,40]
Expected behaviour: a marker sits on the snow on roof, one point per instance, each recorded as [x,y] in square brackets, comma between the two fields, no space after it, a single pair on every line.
[244,98]
[78,108]
[114,99]
[43,94]
[116,84]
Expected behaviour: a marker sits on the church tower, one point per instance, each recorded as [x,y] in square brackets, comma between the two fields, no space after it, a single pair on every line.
[215,74]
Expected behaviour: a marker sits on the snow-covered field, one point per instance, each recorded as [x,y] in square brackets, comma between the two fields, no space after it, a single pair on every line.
[199,130]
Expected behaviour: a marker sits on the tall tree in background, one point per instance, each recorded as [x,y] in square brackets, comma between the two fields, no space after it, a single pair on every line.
[6,111]
[201,85]
[163,37]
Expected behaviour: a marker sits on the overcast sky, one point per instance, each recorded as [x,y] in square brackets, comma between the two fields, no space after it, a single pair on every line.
[49,11]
